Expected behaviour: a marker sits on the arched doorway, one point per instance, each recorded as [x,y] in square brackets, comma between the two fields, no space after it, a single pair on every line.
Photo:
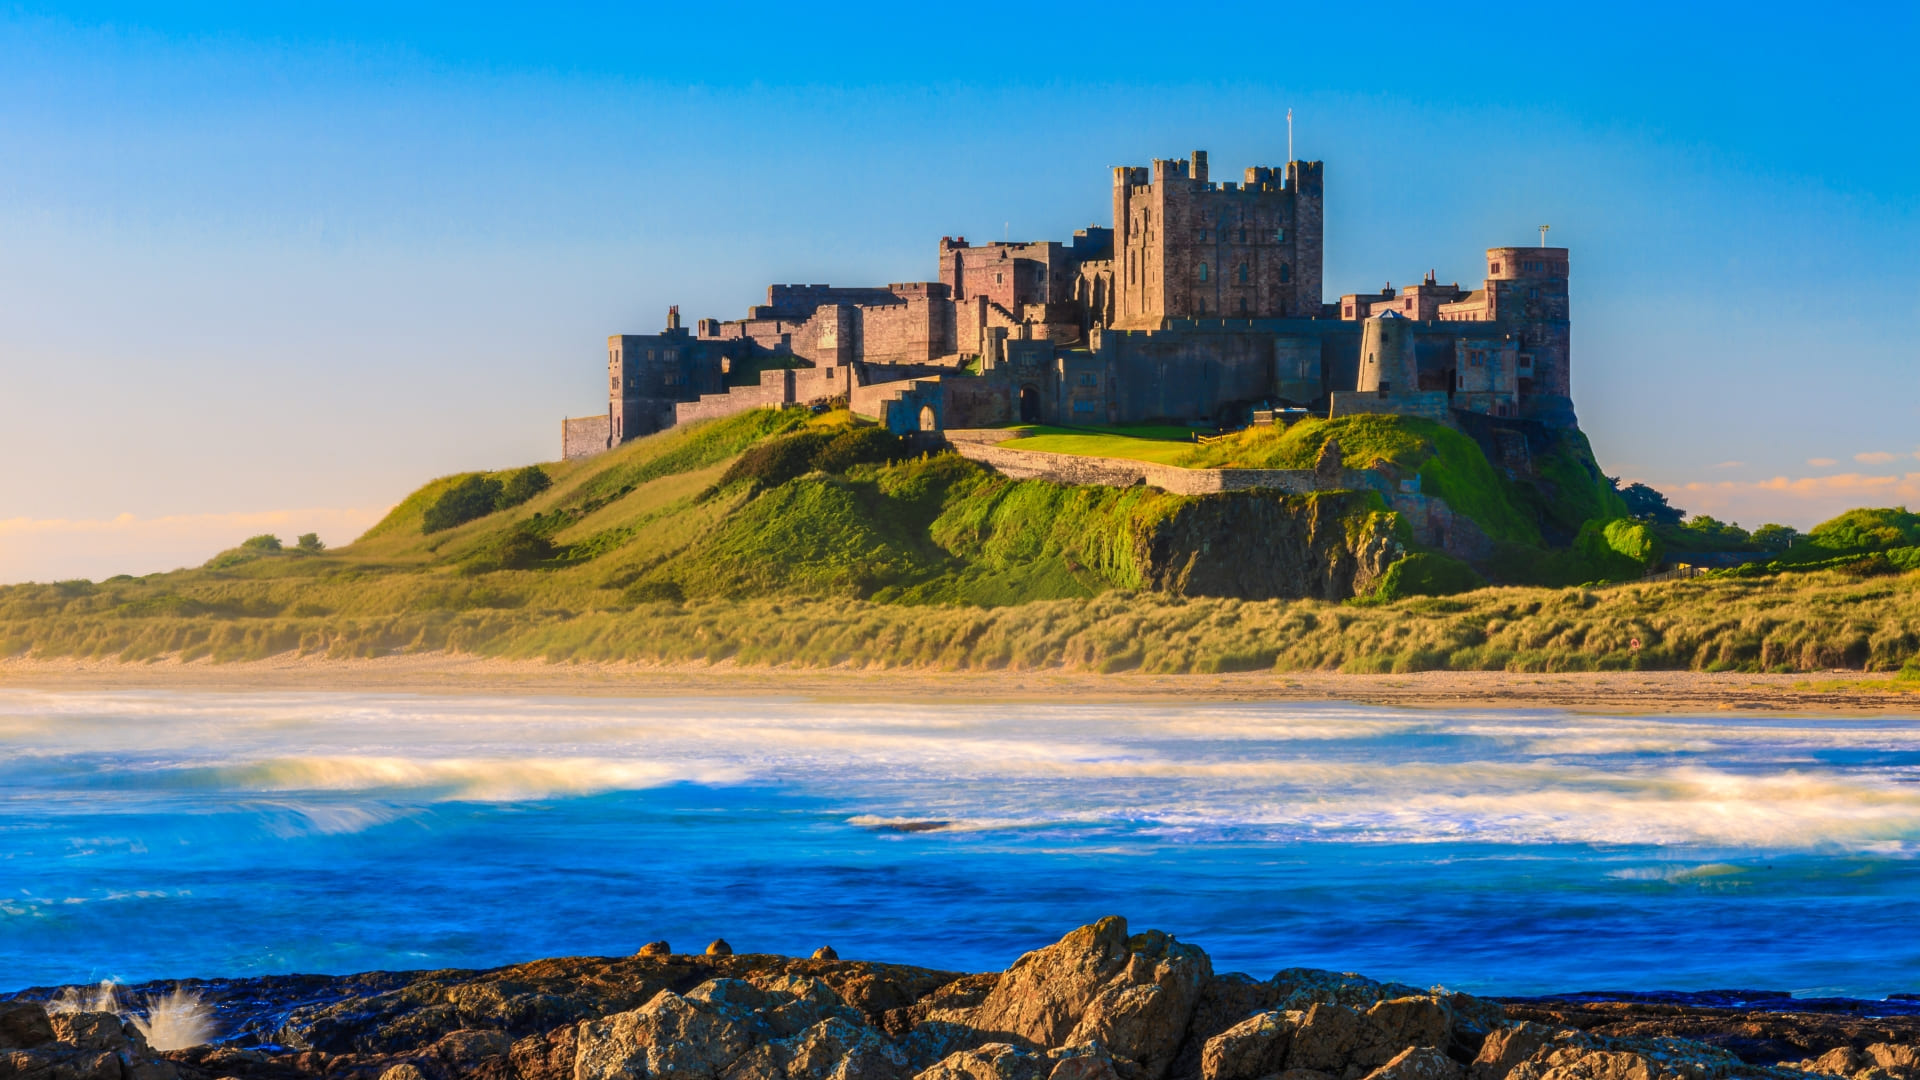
[1029,405]
[928,422]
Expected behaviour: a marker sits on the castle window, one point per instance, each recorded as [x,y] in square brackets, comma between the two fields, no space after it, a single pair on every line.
[1279,236]
[1087,379]
[1203,271]
[1243,236]
[1533,294]
[1493,268]
[1349,311]
[1243,273]
[999,278]
[1243,305]
[1407,304]
[1286,273]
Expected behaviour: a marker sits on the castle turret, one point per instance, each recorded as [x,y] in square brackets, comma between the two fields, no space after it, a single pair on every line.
[1387,364]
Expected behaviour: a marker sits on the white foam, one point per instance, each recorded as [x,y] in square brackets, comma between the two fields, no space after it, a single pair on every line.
[320,763]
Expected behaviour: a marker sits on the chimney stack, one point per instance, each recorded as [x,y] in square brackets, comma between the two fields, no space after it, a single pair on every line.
[1200,165]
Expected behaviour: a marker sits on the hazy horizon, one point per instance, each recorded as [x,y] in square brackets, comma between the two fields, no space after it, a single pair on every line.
[270,271]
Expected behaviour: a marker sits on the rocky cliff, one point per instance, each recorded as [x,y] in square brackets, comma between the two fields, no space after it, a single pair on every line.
[1253,545]
[1101,1004]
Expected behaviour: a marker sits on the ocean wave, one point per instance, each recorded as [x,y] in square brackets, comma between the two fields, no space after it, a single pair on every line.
[455,779]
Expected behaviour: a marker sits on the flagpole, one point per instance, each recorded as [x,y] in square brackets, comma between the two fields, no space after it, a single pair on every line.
[1289,136]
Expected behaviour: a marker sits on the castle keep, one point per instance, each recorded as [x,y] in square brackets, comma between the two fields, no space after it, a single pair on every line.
[1203,301]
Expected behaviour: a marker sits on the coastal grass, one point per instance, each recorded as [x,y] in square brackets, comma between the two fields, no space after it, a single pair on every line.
[1811,622]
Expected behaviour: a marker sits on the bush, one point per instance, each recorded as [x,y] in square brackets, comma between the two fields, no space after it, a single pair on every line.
[1868,530]
[472,497]
[263,542]
[789,457]
[521,485]
[519,548]
[1777,537]
[1425,574]
[310,543]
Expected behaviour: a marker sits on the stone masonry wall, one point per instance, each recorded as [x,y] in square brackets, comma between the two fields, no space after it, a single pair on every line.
[583,436]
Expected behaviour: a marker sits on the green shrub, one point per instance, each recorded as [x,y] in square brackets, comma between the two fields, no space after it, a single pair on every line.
[1425,574]
[310,543]
[1868,530]
[521,485]
[263,542]
[519,548]
[1777,537]
[789,457]
[470,498]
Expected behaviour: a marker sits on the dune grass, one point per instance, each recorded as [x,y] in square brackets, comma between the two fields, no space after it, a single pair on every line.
[1811,622]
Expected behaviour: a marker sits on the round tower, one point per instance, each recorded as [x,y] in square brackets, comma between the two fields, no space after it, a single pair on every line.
[1387,364]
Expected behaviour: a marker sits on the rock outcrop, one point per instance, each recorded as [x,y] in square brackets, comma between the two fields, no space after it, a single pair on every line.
[36,1045]
[1100,1004]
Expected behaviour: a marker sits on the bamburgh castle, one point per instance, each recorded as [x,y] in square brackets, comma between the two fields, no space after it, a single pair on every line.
[1200,304]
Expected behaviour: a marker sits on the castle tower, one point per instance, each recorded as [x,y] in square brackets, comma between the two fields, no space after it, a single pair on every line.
[1527,289]
[1188,248]
[1387,363]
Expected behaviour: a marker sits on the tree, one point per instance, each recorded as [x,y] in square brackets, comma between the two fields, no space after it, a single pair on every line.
[1646,504]
[263,542]
[1724,532]
[310,543]
[1778,537]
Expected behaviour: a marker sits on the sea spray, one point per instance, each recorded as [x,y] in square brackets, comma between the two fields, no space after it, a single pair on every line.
[171,1021]
[176,1021]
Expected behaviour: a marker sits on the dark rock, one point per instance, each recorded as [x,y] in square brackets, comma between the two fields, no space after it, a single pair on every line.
[719,948]
[825,952]
[24,1025]
[655,948]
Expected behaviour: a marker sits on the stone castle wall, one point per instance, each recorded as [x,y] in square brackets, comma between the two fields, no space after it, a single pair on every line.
[584,436]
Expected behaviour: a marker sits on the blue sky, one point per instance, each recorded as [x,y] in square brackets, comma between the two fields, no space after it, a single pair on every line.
[271,269]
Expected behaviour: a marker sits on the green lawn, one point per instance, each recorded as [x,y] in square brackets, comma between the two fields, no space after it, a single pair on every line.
[1161,444]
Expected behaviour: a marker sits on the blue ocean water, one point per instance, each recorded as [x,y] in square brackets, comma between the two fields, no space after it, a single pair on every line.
[165,835]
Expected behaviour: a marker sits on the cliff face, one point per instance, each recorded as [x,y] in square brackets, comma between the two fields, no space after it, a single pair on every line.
[1253,545]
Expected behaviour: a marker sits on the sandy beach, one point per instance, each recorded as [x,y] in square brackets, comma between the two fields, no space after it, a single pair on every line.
[1838,692]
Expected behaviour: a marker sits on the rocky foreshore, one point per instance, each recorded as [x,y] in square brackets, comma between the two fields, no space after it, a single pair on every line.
[1100,1004]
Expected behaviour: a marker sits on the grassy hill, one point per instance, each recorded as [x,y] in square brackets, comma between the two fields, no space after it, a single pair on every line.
[783,537]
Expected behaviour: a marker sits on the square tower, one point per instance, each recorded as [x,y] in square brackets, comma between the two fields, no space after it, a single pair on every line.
[1188,248]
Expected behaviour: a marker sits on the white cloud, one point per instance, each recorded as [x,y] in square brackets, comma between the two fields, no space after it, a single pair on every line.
[41,549]
[1875,457]
[1729,465]
[1822,462]
[1800,501]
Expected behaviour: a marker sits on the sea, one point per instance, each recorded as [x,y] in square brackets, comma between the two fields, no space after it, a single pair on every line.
[163,835]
